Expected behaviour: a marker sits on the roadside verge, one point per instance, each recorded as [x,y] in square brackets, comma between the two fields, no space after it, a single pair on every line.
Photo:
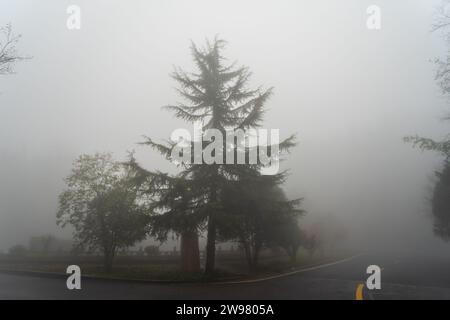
[234,280]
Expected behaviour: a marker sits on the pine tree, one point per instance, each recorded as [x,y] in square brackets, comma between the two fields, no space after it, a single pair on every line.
[216,96]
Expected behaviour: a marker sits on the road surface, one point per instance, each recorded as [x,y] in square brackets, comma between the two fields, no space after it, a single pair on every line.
[404,276]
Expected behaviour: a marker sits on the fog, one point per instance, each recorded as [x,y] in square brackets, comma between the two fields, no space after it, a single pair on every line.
[351,94]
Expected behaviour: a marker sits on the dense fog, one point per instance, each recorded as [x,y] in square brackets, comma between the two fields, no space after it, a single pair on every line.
[351,94]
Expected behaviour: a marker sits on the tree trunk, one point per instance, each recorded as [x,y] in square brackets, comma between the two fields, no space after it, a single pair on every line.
[107,265]
[248,255]
[256,251]
[211,237]
[210,245]
[190,255]
[108,258]
[293,254]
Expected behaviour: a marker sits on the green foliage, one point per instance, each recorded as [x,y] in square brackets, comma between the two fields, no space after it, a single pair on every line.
[258,215]
[217,93]
[177,205]
[102,206]
[287,235]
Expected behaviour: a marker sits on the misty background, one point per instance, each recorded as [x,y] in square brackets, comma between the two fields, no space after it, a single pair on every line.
[350,93]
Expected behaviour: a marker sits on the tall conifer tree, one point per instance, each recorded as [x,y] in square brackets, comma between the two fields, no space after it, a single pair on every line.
[217,96]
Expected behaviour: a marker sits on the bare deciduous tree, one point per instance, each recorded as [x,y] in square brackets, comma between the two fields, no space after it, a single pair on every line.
[8,51]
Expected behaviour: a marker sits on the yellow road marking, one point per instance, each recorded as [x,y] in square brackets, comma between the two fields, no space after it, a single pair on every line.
[359,291]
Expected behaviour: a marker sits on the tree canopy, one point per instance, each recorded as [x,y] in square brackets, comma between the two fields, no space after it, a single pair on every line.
[102,206]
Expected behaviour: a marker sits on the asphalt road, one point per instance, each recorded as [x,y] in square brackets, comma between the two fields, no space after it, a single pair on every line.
[403,276]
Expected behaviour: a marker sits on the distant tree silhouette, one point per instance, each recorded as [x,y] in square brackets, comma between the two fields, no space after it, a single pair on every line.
[17,251]
[441,203]
[42,244]
[259,215]
[310,242]
[152,251]
[217,96]
[288,235]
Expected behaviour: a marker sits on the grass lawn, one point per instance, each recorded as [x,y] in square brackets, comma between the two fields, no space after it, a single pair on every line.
[164,268]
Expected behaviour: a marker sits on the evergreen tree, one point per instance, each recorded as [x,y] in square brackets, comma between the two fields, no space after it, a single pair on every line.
[216,96]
